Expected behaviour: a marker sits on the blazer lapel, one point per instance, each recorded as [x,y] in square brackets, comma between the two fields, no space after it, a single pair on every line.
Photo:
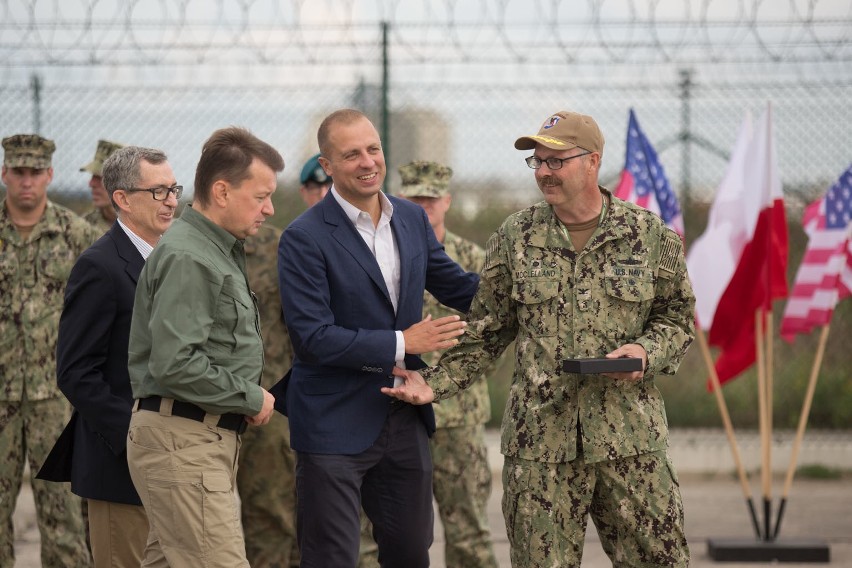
[345,233]
[128,252]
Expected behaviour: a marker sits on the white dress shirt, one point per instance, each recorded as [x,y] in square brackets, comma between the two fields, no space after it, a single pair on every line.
[382,243]
[143,247]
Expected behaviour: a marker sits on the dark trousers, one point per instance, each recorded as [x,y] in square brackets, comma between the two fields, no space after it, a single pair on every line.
[392,480]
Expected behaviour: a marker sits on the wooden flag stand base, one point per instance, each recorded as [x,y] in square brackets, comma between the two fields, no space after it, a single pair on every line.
[752,550]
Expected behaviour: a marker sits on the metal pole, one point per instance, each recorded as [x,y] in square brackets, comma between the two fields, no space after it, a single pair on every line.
[35,84]
[685,137]
[385,91]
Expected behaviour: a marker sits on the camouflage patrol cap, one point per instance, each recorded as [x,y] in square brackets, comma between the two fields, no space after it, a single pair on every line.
[424,179]
[565,130]
[104,150]
[27,151]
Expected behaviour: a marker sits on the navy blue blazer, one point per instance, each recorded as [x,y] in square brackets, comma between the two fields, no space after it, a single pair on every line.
[342,322]
[91,367]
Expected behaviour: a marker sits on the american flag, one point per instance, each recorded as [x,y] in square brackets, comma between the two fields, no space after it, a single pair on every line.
[825,275]
[643,180]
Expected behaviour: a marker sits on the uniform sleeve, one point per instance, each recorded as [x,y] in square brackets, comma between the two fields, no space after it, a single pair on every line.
[670,327]
[492,326]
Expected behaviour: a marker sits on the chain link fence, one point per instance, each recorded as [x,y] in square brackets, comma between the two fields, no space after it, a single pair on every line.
[456,87]
[471,127]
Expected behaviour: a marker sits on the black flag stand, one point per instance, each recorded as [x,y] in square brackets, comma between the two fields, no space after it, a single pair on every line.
[767,547]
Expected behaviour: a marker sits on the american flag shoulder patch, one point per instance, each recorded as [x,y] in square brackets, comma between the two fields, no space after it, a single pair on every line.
[492,255]
[669,253]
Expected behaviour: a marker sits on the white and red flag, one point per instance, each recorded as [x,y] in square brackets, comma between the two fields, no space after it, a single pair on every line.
[825,275]
[738,266]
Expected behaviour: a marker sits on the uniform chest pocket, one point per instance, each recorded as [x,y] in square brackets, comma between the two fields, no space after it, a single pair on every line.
[55,265]
[537,303]
[630,289]
[235,317]
[630,301]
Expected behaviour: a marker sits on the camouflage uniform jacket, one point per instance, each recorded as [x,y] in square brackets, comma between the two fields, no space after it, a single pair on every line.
[32,288]
[97,219]
[262,268]
[628,285]
[473,405]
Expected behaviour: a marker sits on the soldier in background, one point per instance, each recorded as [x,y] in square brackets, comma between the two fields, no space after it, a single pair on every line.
[266,479]
[581,274]
[461,476]
[315,182]
[39,243]
[102,215]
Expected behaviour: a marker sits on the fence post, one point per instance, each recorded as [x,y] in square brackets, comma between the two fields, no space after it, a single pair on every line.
[385,88]
[35,85]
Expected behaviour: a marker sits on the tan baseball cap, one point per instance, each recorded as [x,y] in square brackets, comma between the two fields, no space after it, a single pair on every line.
[565,130]
[104,150]
[424,179]
[27,151]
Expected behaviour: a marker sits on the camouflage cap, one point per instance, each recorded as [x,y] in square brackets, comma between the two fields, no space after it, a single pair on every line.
[104,150]
[27,151]
[565,130]
[424,179]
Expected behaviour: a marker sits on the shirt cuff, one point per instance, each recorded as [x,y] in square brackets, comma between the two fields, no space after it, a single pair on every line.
[400,347]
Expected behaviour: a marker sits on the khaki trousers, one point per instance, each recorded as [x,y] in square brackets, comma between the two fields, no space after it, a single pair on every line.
[118,532]
[184,472]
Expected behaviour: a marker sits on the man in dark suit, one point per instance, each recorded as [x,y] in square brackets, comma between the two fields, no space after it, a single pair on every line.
[91,355]
[353,269]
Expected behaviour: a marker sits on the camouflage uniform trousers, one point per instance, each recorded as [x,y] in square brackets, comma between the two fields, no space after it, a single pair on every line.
[28,430]
[461,483]
[634,502]
[267,487]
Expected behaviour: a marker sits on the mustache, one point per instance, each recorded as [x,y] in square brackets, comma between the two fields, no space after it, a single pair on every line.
[549,180]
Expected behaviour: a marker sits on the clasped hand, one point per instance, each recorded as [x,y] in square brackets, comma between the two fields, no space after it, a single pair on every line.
[414,388]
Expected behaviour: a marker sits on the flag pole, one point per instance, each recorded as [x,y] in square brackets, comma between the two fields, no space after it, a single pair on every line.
[729,428]
[770,370]
[803,421]
[762,414]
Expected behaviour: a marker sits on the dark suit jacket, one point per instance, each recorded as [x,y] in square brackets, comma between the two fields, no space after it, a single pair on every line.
[342,321]
[91,366]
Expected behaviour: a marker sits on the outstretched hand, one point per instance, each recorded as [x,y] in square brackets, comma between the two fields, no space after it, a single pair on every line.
[629,350]
[413,389]
[430,335]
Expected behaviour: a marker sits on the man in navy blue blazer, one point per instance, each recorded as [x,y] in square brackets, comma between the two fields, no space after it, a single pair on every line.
[91,355]
[353,269]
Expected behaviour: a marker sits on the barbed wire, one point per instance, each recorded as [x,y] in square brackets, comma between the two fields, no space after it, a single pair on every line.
[347,32]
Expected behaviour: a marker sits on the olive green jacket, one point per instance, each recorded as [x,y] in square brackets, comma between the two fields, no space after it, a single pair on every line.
[195,332]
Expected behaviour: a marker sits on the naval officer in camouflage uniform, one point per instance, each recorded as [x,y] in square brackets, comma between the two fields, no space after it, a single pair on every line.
[582,274]
[103,213]
[39,243]
[461,476]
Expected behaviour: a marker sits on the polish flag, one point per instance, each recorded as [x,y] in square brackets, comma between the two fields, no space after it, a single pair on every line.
[738,265]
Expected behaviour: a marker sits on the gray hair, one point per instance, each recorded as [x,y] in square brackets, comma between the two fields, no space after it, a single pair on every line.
[121,169]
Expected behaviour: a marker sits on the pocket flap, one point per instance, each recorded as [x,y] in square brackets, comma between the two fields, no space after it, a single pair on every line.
[216,481]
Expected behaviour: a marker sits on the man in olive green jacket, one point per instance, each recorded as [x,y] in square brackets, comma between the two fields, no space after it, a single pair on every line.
[196,357]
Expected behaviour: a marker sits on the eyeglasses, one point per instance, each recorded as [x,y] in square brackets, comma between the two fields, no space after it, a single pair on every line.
[553,163]
[160,193]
